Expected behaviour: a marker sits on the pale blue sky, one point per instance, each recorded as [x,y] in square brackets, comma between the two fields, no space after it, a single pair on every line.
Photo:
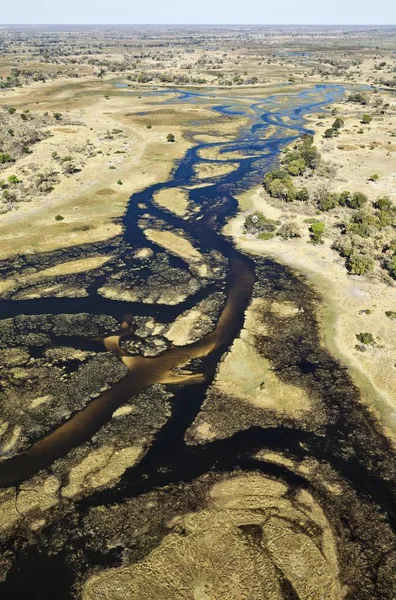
[199,11]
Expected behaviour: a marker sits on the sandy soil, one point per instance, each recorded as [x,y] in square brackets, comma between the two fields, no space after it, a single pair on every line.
[343,297]
[91,201]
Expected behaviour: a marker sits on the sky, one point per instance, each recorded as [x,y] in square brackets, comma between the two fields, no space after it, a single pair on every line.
[292,12]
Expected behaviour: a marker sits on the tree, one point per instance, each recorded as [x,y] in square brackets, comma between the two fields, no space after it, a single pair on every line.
[302,195]
[296,167]
[283,189]
[170,137]
[316,232]
[329,133]
[338,123]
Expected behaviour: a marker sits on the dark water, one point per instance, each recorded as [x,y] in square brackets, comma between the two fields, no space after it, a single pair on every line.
[170,460]
[216,203]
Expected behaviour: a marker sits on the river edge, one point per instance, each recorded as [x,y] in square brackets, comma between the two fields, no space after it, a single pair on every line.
[329,312]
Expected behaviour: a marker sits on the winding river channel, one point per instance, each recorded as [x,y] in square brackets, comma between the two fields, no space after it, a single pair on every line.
[272,123]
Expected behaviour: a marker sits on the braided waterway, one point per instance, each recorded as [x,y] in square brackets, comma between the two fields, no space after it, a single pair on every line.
[170,460]
[216,204]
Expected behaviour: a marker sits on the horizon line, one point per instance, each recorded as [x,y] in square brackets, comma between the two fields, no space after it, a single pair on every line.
[209,24]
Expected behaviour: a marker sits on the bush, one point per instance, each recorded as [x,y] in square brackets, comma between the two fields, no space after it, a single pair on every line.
[289,230]
[57,116]
[13,179]
[265,236]
[12,110]
[119,182]
[356,200]
[373,177]
[366,119]
[302,195]
[362,224]
[391,314]
[345,198]
[329,133]
[390,266]
[358,98]
[259,223]
[5,158]
[327,201]
[316,232]
[59,218]
[338,123]
[170,137]
[383,203]
[365,338]
[360,264]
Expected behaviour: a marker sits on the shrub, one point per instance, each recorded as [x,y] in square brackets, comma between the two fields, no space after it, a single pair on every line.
[356,200]
[327,201]
[119,182]
[259,223]
[5,158]
[302,195]
[12,110]
[365,338]
[390,266]
[386,218]
[289,230]
[57,116]
[316,232]
[383,203]
[360,264]
[391,314]
[373,177]
[13,179]
[59,218]
[170,137]
[366,119]
[345,198]
[329,133]
[362,224]
[265,236]
[357,97]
